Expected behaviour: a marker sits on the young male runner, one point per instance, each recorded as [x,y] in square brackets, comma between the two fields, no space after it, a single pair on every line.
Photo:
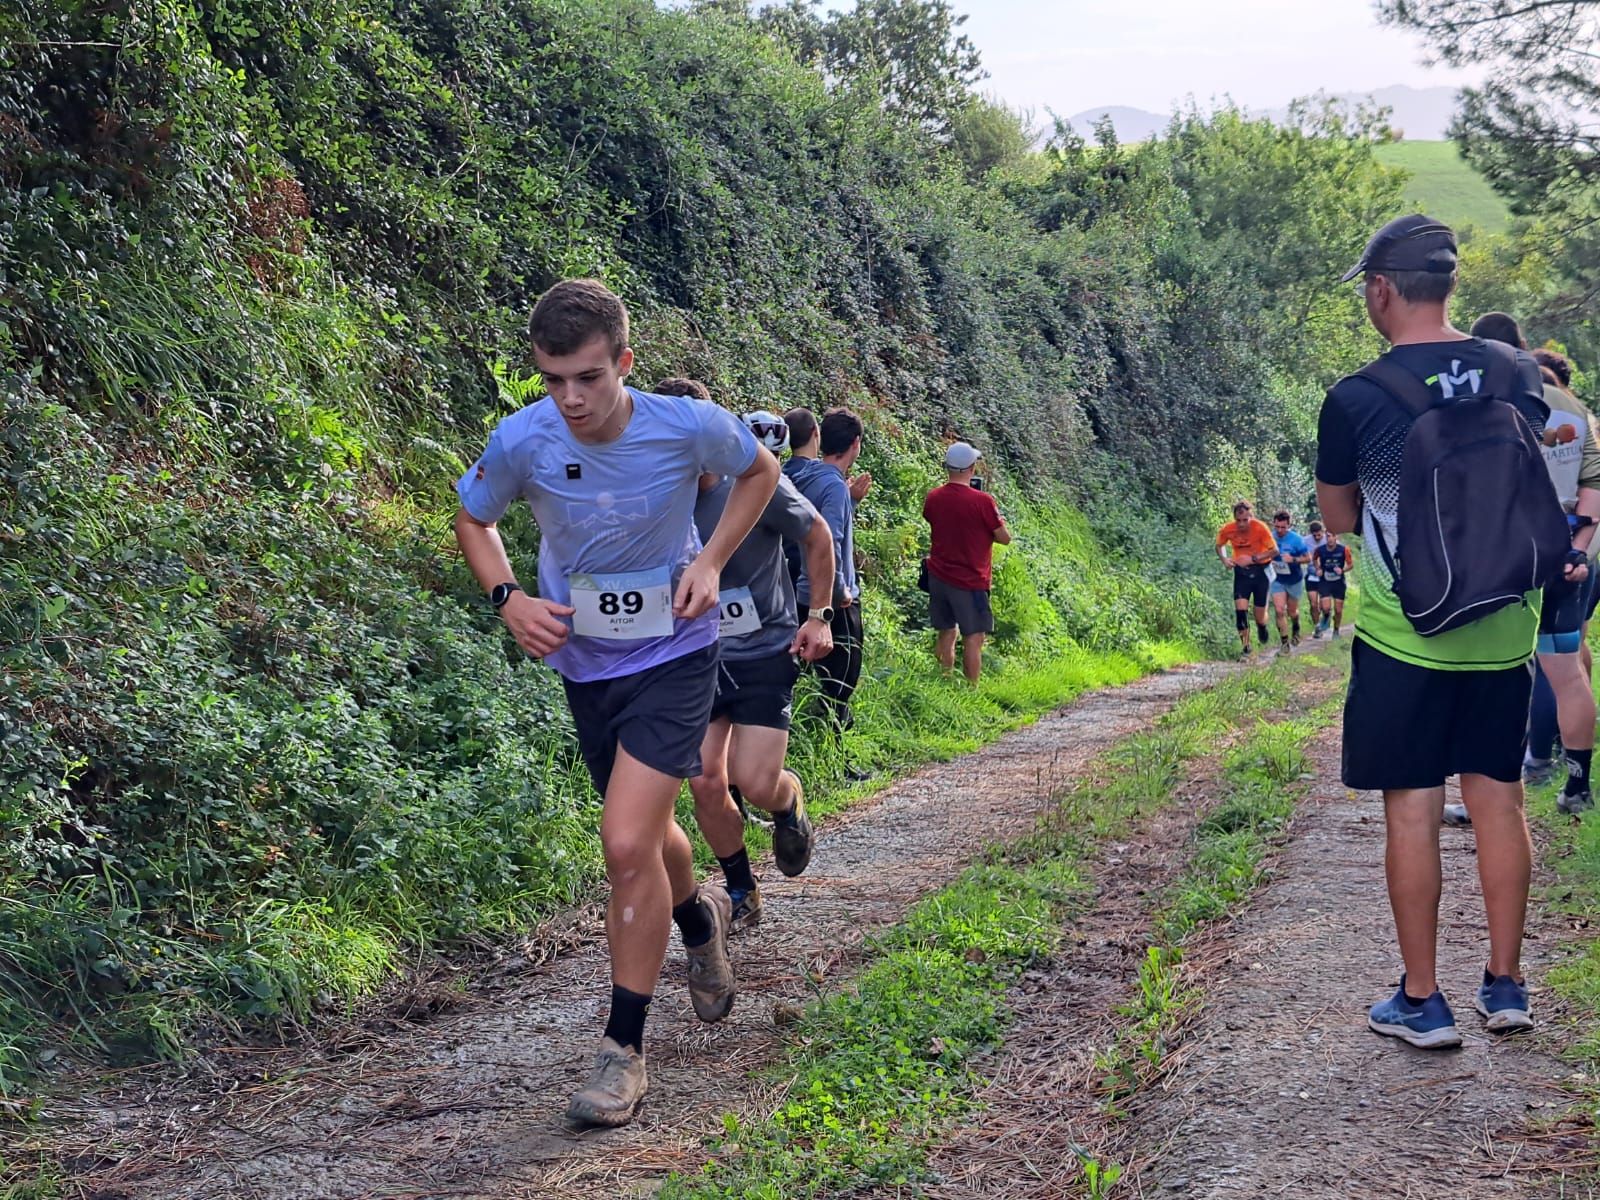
[1420,709]
[1314,539]
[1245,545]
[1333,564]
[1287,584]
[748,736]
[626,613]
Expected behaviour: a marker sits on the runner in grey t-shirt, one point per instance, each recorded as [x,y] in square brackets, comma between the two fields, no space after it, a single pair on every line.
[748,736]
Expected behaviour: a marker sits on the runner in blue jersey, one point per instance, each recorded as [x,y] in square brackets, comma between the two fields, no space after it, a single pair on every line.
[1288,582]
[627,614]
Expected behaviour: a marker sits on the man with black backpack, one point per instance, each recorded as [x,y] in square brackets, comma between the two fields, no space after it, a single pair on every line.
[1431,453]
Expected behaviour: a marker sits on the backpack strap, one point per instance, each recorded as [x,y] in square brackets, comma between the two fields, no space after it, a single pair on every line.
[1401,386]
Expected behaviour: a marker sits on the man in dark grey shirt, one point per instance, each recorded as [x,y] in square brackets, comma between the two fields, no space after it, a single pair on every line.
[761,636]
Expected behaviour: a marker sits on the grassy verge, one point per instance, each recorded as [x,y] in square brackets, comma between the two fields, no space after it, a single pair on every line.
[880,1068]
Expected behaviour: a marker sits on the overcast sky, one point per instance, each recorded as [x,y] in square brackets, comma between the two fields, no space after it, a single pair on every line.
[1070,55]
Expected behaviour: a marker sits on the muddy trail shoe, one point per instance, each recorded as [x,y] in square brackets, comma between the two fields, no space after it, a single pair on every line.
[746,908]
[615,1087]
[1504,1004]
[1574,803]
[711,986]
[792,839]
[1430,1025]
[1536,772]
[1456,816]
[1244,654]
[1294,639]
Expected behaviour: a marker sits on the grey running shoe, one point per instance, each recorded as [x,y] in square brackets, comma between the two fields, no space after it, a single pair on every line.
[711,987]
[746,908]
[1456,816]
[1574,803]
[1537,772]
[792,839]
[615,1087]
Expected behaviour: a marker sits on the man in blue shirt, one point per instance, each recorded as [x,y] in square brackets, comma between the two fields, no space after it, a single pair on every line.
[823,455]
[1288,579]
[627,613]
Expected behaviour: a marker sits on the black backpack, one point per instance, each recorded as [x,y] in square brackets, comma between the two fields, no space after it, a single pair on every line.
[1479,521]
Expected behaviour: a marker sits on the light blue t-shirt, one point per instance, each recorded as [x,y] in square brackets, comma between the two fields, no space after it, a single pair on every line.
[1289,543]
[625,508]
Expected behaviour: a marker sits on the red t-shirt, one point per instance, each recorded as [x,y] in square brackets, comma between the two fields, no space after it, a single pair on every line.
[963,521]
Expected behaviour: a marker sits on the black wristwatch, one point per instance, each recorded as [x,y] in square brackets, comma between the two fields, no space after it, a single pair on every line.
[824,614]
[501,592]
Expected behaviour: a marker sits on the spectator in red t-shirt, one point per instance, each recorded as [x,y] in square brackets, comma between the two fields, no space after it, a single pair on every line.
[966,524]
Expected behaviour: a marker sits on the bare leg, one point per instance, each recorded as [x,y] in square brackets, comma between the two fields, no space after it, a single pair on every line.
[1575,708]
[1505,865]
[1280,607]
[946,649]
[1244,634]
[714,809]
[972,656]
[1411,863]
[755,764]
[649,864]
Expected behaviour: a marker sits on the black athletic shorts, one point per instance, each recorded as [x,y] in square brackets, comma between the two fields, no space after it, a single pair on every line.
[1411,727]
[659,714]
[950,607]
[1251,583]
[757,691]
[1313,586]
[1333,589]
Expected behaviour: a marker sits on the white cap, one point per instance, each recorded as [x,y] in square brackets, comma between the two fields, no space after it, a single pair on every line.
[961,455]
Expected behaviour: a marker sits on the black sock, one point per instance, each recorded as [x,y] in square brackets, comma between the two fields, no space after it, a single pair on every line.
[736,870]
[1578,771]
[1294,626]
[1261,632]
[693,922]
[1414,1001]
[625,1026]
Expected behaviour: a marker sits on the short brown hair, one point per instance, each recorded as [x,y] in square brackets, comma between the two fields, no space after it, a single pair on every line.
[802,423]
[682,387]
[840,427]
[1556,363]
[1241,504]
[574,313]
[1282,515]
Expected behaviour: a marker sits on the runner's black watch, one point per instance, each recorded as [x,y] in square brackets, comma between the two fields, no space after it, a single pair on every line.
[501,592]
[823,614]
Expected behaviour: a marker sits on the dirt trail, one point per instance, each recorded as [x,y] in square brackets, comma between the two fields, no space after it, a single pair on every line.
[1284,1091]
[471,1105]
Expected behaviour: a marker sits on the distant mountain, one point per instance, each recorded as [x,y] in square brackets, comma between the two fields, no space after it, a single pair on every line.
[1420,114]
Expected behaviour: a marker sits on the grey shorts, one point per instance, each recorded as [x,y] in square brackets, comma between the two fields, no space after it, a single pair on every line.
[950,607]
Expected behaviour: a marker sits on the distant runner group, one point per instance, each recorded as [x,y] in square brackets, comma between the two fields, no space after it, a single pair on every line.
[683,579]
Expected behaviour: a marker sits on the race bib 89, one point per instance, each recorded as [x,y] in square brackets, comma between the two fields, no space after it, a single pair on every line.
[626,607]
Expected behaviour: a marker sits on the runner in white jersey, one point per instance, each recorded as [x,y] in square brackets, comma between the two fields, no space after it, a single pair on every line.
[627,613]
[748,736]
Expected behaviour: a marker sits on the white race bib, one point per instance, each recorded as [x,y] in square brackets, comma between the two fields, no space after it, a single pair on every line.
[739,615]
[626,607]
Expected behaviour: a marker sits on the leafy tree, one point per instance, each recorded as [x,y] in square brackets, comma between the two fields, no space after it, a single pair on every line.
[910,52]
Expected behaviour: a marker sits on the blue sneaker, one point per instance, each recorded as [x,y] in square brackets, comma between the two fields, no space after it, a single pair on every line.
[1430,1025]
[1504,1004]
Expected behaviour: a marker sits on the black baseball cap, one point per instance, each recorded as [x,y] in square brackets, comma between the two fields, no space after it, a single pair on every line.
[1413,243]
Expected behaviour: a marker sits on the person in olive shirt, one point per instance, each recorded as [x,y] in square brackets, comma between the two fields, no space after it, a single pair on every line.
[966,525]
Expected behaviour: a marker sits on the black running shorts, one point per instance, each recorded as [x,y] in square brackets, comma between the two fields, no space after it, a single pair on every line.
[1251,583]
[660,715]
[950,607]
[757,691]
[1407,726]
[1334,589]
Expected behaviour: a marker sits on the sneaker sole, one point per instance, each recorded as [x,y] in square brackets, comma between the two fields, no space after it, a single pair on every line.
[792,866]
[1434,1039]
[587,1115]
[1455,822]
[1507,1020]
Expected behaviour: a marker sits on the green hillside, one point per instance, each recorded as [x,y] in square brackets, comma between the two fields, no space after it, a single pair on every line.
[1443,185]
